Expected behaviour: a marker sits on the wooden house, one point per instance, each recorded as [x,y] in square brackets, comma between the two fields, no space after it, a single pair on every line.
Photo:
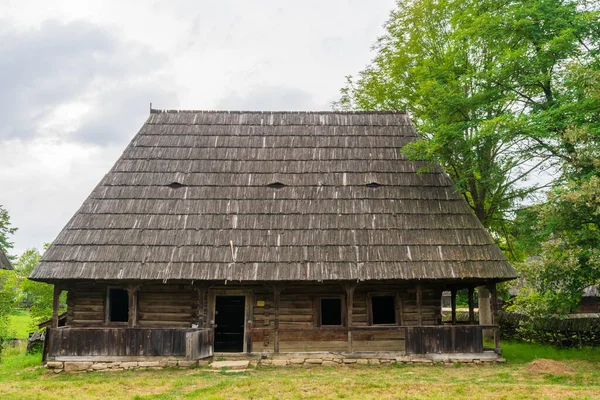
[4,261]
[273,234]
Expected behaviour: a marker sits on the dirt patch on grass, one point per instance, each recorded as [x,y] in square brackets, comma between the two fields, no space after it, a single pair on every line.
[546,366]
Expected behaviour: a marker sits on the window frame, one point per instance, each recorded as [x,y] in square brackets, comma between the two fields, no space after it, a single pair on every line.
[318,315]
[397,308]
[107,320]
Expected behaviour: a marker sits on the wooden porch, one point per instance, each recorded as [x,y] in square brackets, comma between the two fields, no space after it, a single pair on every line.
[194,344]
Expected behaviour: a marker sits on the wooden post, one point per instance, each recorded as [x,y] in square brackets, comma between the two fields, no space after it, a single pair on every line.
[453,304]
[132,317]
[276,299]
[419,301]
[485,314]
[494,315]
[249,319]
[471,306]
[349,306]
[199,315]
[399,310]
[249,337]
[56,305]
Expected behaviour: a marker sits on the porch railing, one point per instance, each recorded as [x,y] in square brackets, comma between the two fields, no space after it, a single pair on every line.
[198,343]
[116,342]
[417,339]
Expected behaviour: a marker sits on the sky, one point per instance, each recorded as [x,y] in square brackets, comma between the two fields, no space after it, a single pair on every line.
[77,78]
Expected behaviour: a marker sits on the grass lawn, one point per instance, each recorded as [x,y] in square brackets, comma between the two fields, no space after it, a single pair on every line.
[21,377]
[20,323]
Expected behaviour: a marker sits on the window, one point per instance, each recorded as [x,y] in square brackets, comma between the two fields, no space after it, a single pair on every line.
[118,305]
[331,312]
[383,310]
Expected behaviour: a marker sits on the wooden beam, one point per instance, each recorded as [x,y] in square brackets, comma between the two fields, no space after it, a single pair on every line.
[471,306]
[249,319]
[132,317]
[276,301]
[399,310]
[453,304]
[55,305]
[493,302]
[494,314]
[349,307]
[419,307]
[199,306]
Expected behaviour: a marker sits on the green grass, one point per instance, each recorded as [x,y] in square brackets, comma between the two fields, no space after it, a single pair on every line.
[22,377]
[20,324]
[521,353]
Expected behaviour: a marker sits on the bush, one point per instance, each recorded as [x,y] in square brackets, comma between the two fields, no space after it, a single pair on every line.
[573,331]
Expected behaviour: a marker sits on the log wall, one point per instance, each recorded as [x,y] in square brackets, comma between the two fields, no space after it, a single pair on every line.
[157,305]
[86,305]
[299,309]
[169,306]
[180,306]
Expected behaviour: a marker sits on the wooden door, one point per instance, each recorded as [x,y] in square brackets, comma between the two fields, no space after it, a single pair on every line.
[229,323]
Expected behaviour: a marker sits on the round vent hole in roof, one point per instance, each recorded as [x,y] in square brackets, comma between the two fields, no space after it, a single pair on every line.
[175,185]
[373,185]
[276,185]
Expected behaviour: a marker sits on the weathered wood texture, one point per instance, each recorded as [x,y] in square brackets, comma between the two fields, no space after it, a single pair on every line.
[86,305]
[298,311]
[157,305]
[444,339]
[116,342]
[192,184]
[199,344]
[166,306]
[4,261]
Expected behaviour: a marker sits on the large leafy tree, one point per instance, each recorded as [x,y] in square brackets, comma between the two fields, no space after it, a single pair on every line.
[436,62]
[500,90]
[564,231]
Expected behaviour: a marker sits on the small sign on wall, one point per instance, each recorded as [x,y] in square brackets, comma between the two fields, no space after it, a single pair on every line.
[260,303]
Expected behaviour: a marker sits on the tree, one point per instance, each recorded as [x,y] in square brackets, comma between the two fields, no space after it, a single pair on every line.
[500,90]
[556,78]
[565,230]
[36,296]
[5,231]
[436,62]
[7,278]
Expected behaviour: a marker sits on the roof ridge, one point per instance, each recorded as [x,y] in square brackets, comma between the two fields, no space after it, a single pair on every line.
[374,112]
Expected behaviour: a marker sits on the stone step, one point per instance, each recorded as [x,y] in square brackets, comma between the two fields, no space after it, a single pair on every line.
[230,364]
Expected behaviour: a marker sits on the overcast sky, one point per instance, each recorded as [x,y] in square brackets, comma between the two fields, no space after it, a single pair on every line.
[77,77]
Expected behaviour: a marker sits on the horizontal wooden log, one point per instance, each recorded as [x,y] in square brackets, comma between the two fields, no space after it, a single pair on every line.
[308,346]
[379,345]
[164,316]
[165,309]
[163,323]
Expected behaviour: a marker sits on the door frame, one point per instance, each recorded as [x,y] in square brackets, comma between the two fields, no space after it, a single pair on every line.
[248,308]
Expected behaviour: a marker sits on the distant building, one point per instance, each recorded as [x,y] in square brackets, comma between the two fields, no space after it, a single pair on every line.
[590,302]
[4,261]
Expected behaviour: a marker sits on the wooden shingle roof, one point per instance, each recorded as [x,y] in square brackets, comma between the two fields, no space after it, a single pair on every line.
[4,261]
[214,195]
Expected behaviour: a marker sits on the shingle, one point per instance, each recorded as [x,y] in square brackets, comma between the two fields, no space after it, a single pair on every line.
[192,198]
